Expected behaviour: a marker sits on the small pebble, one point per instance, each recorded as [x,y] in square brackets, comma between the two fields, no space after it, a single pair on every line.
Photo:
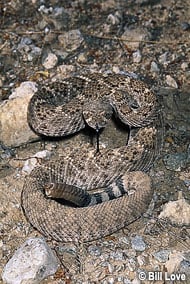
[185,26]
[163,58]
[154,67]
[82,58]
[124,240]
[184,66]
[141,260]
[50,61]
[110,280]
[94,250]
[117,255]
[127,281]
[171,82]
[138,243]
[162,255]
[30,164]
[114,19]
[137,57]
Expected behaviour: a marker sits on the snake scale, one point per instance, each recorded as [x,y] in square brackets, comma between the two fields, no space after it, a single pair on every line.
[86,195]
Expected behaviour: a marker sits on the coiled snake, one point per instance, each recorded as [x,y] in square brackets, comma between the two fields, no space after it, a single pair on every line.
[106,190]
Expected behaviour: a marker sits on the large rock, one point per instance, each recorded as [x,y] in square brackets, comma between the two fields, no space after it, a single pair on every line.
[133,38]
[31,263]
[14,129]
[178,212]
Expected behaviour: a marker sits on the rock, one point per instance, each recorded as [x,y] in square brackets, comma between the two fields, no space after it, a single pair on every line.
[94,250]
[57,16]
[45,10]
[117,255]
[185,26]
[141,260]
[171,82]
[137,56]
[185,267]
[50,61]
[64,70]
[178,212]
[14,129]
[179,262]
[134,37]
[71,40]
[30,164]
[175,162]
[184,66]
[163,58]
[138,243]
[162,255]
[82,57]
[154,67]
[25,89]
[114,19]
[31,263]
[28,50]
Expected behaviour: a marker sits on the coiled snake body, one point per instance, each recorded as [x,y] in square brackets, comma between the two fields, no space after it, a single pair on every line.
[108,190]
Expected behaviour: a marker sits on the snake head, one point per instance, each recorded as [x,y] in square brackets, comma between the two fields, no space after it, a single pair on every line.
[97,113]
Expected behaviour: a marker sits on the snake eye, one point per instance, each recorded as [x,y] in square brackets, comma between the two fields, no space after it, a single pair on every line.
[134,105]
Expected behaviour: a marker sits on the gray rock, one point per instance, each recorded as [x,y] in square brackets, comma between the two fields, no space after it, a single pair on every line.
[175,162]
[127,281]
[162,255]
[94,250]
[28,50]
[14,129]
[31,263]
[184,267]
[154,67]
[138,243]
[117,255]
[163,58]
[185,26]
[71,40]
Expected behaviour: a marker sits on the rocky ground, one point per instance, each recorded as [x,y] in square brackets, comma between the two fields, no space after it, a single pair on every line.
[44,39]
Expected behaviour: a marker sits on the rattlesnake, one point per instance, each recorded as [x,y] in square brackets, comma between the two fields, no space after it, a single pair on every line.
[83,176]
